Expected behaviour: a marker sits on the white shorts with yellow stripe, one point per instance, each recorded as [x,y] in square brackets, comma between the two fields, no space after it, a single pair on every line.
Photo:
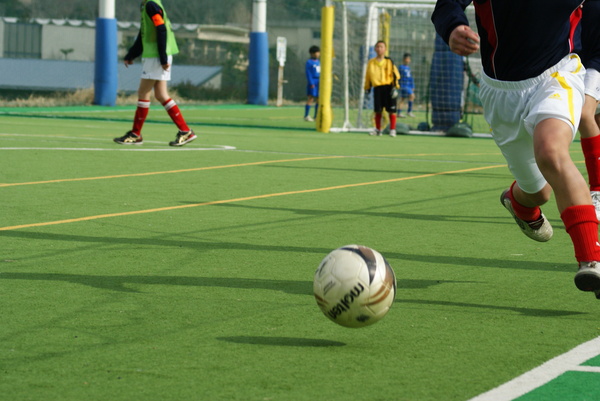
[514,108]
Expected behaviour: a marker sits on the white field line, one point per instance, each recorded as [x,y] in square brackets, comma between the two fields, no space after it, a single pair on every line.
[132,149]
[537,377]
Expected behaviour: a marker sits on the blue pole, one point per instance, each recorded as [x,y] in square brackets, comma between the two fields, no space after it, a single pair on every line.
[105,71]
[258,69]
[258,57]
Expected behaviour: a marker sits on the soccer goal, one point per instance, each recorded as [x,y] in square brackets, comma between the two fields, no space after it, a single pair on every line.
[446,85]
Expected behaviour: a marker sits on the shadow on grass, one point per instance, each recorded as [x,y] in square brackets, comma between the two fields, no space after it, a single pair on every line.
[282,341]
[391,170]
[120,283]
[523,311]
[504,218]
[203,246]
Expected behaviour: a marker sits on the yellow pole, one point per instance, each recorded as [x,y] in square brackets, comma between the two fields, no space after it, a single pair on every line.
[324,113]
[384,30]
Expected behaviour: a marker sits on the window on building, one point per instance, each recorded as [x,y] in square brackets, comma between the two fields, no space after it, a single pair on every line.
[22,40]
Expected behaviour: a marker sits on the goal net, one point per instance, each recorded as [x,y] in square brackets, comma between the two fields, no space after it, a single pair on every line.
[445,84]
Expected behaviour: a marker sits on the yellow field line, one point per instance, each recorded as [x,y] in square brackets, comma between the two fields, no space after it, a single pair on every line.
[218,202]
[166,172]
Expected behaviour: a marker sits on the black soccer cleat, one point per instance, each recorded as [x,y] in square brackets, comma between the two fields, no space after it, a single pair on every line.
[183,137]
[129,139]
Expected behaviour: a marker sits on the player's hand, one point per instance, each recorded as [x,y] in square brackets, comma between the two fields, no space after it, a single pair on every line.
[463,40]
[166,66]
[128,63]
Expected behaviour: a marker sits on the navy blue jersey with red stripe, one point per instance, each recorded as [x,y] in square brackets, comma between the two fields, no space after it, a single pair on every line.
[520,39]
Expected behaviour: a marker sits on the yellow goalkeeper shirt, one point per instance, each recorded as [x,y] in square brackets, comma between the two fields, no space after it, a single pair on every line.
[381,73]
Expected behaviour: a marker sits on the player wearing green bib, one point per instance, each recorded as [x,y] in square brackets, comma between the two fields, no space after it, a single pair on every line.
[156,45]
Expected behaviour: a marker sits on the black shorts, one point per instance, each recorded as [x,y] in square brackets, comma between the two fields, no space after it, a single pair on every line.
[382,99]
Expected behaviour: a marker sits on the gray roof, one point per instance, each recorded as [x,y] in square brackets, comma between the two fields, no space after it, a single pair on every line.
[65,75]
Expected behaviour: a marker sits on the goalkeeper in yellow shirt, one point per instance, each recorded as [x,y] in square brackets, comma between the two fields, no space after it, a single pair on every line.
[383,76]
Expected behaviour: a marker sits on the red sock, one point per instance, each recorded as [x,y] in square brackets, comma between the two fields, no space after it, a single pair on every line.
[175,115]
[591,152]
[140,116]
[392,120]
[378,121]
[523,212]
[582,225]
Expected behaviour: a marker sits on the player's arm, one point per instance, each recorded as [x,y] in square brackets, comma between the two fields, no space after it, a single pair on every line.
[309,74]
[447,15]
[134,51]
[452,25]
[367,87]
[156,14]
[398,76]
[410,80]
[463,40]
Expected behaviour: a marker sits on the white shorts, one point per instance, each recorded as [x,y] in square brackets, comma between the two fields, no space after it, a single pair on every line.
[513,109]
[152,69]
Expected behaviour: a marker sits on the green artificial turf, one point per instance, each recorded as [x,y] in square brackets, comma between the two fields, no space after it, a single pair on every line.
[226,115]
[156,273]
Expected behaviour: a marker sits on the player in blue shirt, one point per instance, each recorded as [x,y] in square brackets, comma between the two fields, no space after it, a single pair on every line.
[407,86]
[313,73]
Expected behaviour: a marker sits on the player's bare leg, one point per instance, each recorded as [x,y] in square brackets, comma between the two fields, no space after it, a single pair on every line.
[309,103]
[185,134]
[134,136]
[552,138]
[590,144]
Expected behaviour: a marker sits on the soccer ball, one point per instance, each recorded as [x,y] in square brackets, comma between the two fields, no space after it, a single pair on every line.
[354,286]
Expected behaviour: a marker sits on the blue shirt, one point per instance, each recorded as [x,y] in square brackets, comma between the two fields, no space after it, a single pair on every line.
[313,71]
[406,78]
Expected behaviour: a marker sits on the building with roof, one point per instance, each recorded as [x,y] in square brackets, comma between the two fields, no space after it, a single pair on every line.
[66,75]
[57,55]
[64,51]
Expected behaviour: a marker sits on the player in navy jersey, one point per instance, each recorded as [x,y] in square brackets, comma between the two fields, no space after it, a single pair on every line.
[407,86]
[588,128]
[532,91]
[313,74]
[156,44]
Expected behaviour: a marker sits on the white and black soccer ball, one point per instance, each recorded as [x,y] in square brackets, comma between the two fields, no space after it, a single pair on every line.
[354,286]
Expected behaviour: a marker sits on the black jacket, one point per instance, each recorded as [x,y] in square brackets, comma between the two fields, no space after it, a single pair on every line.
[520,39]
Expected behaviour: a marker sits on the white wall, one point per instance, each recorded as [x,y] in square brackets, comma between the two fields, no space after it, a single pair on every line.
[81,39]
